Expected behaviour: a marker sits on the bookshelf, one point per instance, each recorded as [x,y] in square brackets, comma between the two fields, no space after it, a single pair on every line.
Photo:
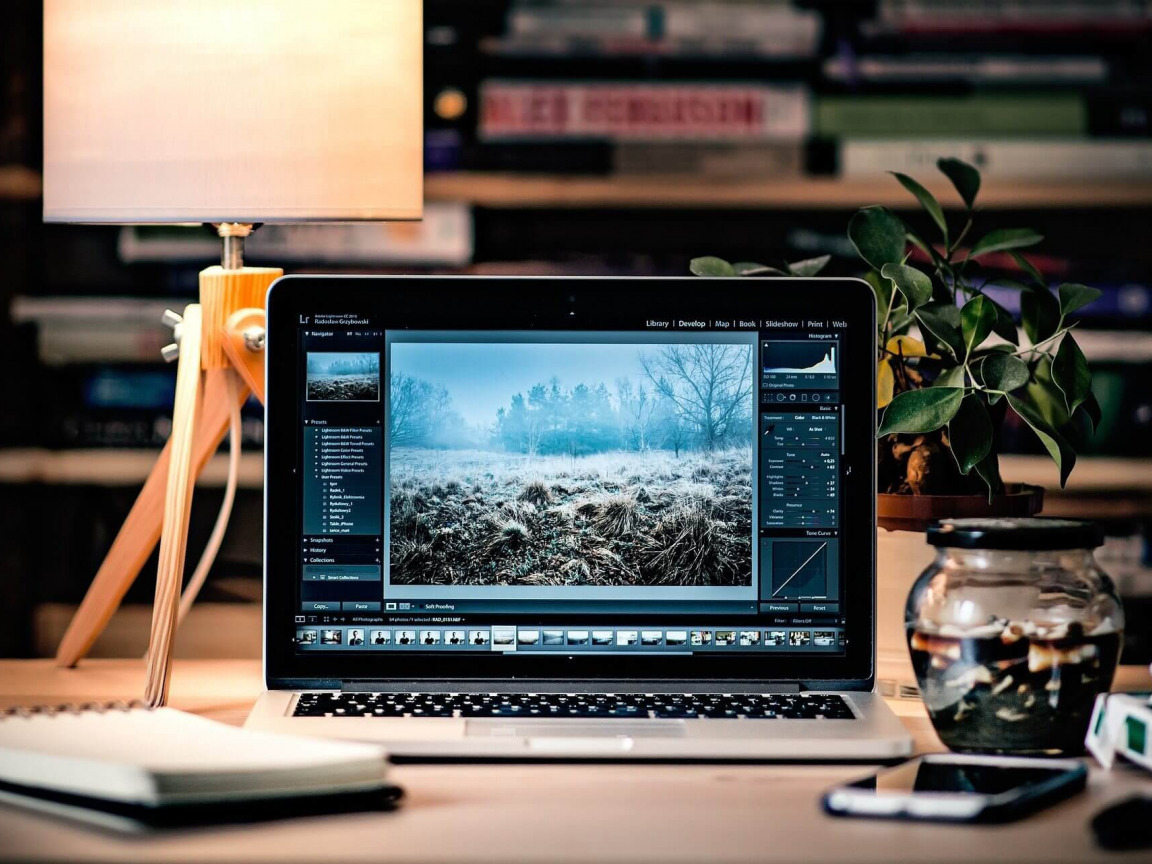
[530,191]
[19,183]
[506,190]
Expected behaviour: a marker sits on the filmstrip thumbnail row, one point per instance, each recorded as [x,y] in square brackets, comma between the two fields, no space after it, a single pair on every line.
[532,638]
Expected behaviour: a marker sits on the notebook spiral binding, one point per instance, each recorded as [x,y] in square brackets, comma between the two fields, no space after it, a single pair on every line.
[73,708]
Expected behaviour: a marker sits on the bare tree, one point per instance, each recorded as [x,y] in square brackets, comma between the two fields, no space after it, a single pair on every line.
[406,400]
[710,385]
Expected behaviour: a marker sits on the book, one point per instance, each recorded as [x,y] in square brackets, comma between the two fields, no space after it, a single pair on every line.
[542,110]
[157,758]
[1096,159]
[1011,16]
[933,69]
[987,115]
[721,29]
[716,161]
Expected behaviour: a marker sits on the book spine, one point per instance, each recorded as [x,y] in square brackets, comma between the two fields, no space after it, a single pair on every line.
[514,110]
[989,115]
[1011,16]
[1089,159]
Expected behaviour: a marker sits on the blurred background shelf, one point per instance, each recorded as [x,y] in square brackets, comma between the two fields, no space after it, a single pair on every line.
[508,190]
[555,144]
[112,467]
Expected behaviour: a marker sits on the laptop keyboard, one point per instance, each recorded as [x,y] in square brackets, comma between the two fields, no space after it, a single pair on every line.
[768,706]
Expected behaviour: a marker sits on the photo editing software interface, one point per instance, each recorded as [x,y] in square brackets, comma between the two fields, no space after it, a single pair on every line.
[675,488]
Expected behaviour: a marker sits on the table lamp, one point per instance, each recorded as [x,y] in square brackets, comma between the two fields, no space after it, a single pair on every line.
[233,113]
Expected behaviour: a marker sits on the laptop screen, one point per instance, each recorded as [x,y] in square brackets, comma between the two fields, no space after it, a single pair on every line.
[666,489]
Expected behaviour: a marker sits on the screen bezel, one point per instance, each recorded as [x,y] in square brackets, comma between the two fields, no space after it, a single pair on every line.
[563,303]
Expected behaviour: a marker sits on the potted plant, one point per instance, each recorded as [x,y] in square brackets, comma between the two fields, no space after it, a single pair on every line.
[951,365]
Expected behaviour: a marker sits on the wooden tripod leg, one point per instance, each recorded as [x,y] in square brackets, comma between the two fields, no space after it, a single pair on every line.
[177,510]
[137,537]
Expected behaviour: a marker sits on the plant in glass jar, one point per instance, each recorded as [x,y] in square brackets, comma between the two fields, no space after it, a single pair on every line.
[952,364]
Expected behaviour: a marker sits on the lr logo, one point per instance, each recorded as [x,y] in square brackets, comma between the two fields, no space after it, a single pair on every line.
[304,319]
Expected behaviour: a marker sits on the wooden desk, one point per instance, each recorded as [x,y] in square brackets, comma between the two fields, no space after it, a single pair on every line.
[581,813]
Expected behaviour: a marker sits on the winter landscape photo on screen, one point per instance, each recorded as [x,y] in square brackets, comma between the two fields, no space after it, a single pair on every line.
[571,464]
[343,376]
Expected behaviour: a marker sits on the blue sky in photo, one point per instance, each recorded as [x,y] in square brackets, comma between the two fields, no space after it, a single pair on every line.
[482,377]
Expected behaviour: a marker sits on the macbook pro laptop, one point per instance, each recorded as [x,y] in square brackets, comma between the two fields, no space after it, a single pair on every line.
[573,517]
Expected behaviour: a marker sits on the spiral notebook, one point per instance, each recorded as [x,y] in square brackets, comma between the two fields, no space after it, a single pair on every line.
[162,758]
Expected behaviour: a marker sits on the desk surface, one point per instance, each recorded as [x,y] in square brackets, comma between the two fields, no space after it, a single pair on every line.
[580,813]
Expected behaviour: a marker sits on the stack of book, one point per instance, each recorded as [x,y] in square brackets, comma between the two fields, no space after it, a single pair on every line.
[1011,86]
[774,89]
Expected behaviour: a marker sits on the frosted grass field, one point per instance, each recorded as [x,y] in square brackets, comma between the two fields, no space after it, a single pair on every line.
[616,518]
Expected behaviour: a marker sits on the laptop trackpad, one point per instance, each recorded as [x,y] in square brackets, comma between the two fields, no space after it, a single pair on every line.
[621,730]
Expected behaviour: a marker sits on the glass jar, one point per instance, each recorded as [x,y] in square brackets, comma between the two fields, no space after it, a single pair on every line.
[1014,629]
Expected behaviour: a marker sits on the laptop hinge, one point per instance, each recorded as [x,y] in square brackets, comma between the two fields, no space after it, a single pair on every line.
[506,685]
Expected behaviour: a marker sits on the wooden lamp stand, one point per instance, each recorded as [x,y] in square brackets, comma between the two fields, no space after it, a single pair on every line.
[219,343]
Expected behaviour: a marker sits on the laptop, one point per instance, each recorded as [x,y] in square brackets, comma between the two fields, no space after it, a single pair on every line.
[568,518]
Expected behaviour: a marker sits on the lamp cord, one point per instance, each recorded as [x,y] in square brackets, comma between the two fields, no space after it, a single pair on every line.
[216,538]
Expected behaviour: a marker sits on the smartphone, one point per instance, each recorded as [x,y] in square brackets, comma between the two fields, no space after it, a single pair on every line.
[959,789]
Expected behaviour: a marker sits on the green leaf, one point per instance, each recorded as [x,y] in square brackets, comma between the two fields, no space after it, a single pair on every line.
[878,235]
[989,470]
[914,285]
[970,433]
[1029,268]
[976,321]
[1003,372]
[1074,296]
[711,266]
[923,410]
[953,377]
[1070,373]
[1039,313]
[942,320]
[1055,443]
[1092,409]
[751,268]
[1004,327]
[964,177]
[809,266]
[1003,239]
[927,201]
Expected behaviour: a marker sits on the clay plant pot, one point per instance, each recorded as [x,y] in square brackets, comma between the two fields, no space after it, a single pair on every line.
[917,512]
[902,553]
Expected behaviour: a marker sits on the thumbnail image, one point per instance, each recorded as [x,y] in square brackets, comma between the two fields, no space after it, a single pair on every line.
[454,637]
[429,637]
[776,638]
[824,638]
[355,636]
[405,637]
[527,637]
[381,637]
[676,637]
[504,636]
[577,637]
[651,637]
[553,637]
[626,637]
[343,376]
[799,638]
[569,464]
[331,637]
[305,637]
[601,637]
[478,637]
[725,637]
[701,637]
[749,638]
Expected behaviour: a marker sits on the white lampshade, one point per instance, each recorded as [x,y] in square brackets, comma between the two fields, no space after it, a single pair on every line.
[232,110]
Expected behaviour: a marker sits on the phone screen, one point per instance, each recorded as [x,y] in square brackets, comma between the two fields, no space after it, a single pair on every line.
[931,776]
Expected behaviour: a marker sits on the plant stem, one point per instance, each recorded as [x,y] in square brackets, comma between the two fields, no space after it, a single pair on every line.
[1032,349]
